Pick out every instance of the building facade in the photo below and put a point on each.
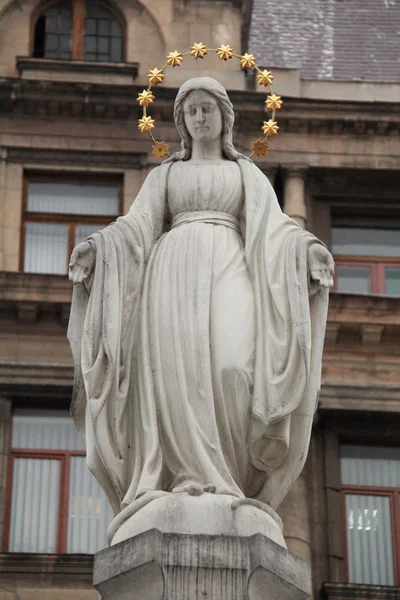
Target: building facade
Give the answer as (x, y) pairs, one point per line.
(72, 159)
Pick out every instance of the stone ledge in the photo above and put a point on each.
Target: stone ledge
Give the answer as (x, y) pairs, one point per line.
(17, 286)
(342, 591)
(374, 398)
(22, 563)
(28, 63)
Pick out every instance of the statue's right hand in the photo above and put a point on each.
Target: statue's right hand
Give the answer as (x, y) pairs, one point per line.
(81, 263)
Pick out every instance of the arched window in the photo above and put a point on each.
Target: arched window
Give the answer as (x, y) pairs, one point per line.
(78, 30)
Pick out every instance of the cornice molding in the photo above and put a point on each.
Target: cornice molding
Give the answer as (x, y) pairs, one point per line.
(368, 397)
(30, 380)
(29, 97)
(89, 158)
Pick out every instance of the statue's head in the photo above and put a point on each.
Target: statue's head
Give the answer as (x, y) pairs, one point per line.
(203, 112)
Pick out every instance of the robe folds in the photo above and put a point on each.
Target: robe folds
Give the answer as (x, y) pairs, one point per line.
(113, 399)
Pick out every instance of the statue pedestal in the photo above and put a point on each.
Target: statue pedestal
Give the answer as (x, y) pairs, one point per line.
(169, 566)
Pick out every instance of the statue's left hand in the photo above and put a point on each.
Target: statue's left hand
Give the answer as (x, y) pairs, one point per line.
(321, 265)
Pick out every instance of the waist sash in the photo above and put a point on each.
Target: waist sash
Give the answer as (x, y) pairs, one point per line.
(212, 217)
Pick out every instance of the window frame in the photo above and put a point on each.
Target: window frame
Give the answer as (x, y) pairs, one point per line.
(64, 456)
(78, 28)
(394, 498)
(377, 265)
(72, 220)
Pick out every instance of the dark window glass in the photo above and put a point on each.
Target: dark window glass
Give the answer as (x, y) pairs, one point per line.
(103, 34)
(53, 32)
(91, 26)
(103, 45)
(392, 280)
(116, 49)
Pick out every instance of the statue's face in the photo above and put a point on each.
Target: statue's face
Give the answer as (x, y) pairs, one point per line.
(203, 117)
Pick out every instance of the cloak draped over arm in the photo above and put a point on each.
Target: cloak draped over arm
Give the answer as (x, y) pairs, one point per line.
(290, 326)
(102, 333)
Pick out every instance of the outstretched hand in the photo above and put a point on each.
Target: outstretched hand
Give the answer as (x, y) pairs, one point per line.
(81, 262)
(321, 265)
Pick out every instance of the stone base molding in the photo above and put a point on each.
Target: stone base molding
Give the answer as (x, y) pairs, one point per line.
(160, 566)
(344, 591)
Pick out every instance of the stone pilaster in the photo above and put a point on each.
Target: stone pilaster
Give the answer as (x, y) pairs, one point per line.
(294, 200)
(5, 433)
(296, 521)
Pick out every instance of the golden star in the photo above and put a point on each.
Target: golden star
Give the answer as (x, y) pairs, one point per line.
(224, 52)
(174, 59)
(160, 149)
(265, 78)
(155, 76)
(247, 61)
(146, 124)
(273, 102)
(270, 127)
(259, 148)
(198, 50)
(145, 98)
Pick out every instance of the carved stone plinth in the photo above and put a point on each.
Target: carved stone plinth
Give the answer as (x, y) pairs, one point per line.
(168, 566)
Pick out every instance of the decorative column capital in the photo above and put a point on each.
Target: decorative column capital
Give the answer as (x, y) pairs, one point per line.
(300, 171)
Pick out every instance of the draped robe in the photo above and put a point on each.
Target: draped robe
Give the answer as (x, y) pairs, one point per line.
(113, 399)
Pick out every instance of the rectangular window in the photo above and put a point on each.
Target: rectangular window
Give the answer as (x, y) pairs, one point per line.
(367, 255)
(371, 494)
(55, 504)
(60, 213)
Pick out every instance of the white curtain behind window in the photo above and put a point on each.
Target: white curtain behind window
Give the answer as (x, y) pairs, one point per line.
(36, 481)
(369, 539)
(46, 248)
(73, 198)
(372, 466)
(35, 502)
(83, 231)
(89, 511)
(369, 524)
(45, 430)
(358, 241)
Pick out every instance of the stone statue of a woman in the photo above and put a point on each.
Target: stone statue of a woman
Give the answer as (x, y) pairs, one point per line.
(197, 326)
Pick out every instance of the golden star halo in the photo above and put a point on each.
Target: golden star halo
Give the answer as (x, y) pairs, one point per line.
(174, 59)
(247, 61)
(265, 78)
(270, 127)
(198, 50)
(160, 149)
(259, 148)
(145, 98)
(146, 124)
(224, 52)
(274, 102)
(155, 76)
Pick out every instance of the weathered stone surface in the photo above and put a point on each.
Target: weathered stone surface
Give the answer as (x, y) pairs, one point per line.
(207, 514)
(155, 566)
